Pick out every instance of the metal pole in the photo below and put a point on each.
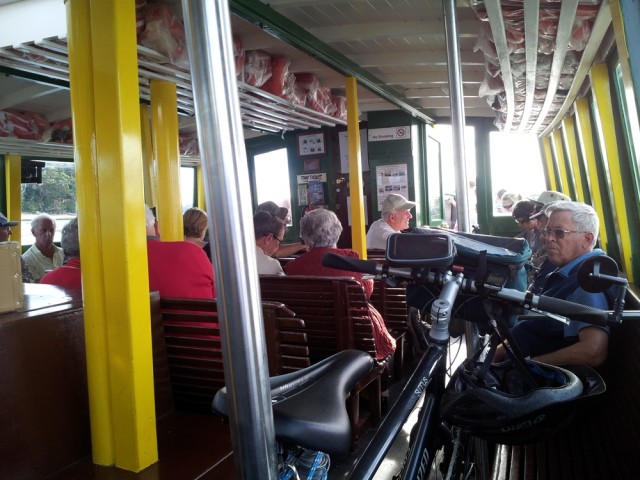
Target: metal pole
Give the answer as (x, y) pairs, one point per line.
(226, 182)
(457, 112)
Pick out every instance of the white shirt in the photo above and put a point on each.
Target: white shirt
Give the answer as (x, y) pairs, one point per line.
(267, 265)
(38, 264)
(378, 234)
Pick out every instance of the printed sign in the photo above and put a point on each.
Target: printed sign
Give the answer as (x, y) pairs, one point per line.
(392, 133)
(312, 177)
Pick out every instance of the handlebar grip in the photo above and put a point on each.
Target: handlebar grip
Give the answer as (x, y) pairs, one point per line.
(351, 264)
(575, 311)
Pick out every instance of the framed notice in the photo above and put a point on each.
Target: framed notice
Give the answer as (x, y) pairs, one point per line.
(311, 144)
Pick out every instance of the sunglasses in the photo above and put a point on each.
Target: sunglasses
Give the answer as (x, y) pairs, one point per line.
(557, 233)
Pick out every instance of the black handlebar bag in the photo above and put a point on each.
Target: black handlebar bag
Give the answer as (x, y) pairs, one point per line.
(488, 259)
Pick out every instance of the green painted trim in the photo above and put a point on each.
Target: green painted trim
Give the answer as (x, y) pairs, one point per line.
(281, 27)
(12, 72)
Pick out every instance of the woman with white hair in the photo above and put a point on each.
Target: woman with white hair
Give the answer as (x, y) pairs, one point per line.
(68, 275)
(320, 230)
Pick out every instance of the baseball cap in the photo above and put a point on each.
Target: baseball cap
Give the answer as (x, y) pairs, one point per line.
(396, 202)
(548, 197)
(5, 222)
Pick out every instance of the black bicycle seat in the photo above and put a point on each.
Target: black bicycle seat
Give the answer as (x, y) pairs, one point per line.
(309, 405)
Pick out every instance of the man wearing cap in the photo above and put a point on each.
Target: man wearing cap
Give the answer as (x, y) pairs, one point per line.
(395, 218)
(5, 233)
(43, 255)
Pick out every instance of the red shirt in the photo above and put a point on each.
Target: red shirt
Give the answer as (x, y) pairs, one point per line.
(67, 276)
(180, 270)
(311, 264)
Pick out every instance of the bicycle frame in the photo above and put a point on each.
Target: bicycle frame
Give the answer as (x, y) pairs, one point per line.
(427, 379)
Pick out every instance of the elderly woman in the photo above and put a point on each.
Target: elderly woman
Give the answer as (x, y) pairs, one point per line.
(320, 230)
(68, 275)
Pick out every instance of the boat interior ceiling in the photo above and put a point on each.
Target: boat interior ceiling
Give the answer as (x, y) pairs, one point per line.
(522, 63)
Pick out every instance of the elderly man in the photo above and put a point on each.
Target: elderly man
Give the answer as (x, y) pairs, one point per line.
(5, 233)
(395, 217)
(43, 255)
(570, 236)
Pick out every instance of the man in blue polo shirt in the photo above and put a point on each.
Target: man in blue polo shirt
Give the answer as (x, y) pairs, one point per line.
(570, 237)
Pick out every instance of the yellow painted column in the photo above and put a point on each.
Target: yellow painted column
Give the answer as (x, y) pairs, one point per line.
(200, 188)
(358, 234)
(164, 132)
(148, 159)
(602, 93)
(13, 179)
(563, 182)
(89, 227)
(569, 140)
(585, 139)
(128, 399)
(552, 183)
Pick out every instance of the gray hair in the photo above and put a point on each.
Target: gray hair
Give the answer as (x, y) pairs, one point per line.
(320, 228)
(584, 216)
(35, 221)
(150, 218)
(70, 240)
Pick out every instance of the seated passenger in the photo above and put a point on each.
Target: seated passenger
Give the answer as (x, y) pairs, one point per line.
(320, 230)
(43, 255)
(269, 230)
(570, 237)
(395, 218)
(194, 223)
(177, 269)
(68, 275)
(5, 233)
(285, 249)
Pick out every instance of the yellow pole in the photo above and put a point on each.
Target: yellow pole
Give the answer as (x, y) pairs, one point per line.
(602, 93)
(125, 410)
(358, 239)
(149, 169)
(585, 139)
(562, 166)
(200, 187)
(548, 161)
(569, 140)
(89, 225)
(164, 121)
(13, 176)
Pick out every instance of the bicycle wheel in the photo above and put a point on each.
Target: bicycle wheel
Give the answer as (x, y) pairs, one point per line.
(465, 458)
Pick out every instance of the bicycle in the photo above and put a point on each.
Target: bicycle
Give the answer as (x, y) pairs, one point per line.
(309, 413)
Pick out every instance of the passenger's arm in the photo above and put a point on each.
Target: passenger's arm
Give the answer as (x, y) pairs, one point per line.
(591, 349)
(288, 249)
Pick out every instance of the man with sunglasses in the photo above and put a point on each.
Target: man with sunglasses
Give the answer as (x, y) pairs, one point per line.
(570, 236)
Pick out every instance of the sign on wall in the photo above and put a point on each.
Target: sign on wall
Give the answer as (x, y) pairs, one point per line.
(391, 179)
(391, 133)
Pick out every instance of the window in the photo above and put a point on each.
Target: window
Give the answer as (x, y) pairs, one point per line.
(272, 178)
(187, 187)
(56, 196)
(516, 167)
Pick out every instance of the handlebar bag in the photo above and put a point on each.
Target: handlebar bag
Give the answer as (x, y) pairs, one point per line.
(494, 260)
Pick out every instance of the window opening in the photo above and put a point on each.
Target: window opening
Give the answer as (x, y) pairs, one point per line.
(187, 187)
(272, 178)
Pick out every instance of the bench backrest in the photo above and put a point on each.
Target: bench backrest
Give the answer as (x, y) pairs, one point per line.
(194, 348)
(334, 310)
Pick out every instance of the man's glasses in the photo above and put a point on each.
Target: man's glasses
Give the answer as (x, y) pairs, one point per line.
(557, 233)
(280, 242)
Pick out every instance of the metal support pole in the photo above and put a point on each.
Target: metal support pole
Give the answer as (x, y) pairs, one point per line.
(226, 181)
(456, 99)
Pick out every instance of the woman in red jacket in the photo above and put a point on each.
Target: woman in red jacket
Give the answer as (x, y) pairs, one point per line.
(320, 230)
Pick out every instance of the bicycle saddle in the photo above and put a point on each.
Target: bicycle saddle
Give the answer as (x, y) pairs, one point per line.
(309, 405)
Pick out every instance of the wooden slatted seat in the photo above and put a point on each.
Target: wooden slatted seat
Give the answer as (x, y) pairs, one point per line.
(194, 349)
(603, 440)
(336, 316)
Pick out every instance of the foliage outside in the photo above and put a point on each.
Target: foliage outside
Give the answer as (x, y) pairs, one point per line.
(55, 195)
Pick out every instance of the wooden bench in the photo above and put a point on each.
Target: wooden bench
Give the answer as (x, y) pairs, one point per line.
(603, 440)
(194, 350)
(336, 316)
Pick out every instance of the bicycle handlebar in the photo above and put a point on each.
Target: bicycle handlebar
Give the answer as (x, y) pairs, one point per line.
(527, 300)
